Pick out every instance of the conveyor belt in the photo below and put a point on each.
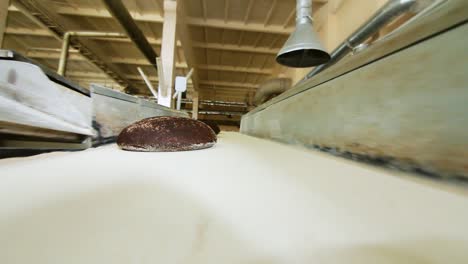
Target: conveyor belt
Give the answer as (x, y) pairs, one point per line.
(245, 200)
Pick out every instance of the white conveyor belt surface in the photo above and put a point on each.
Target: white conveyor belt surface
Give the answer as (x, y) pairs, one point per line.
(246, 200)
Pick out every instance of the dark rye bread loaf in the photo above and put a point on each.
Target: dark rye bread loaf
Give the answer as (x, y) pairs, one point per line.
(213, 125)
(166, 133)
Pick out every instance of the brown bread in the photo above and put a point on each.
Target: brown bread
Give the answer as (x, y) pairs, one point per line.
(166, 133)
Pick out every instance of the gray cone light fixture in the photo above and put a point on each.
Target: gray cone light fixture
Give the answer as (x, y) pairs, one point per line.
(303, 48)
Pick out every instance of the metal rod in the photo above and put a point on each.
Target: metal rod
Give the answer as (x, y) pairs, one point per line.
(162, 83)
(64, 54)
(303, 11)
(62, 67)
(189, 74)
(147, 82)
(179, 100)
(121, 14)
(386, 14)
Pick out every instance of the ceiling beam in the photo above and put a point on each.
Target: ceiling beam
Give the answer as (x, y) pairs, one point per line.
(218, 90)
(292, 14)
(203, 83)
(46, 33)
(28, 32)
(235, 69)
(236, 48)
(96, 75)
(238, 25)
(160, 6)
(230, 84)
(270, 13)
(247, 13)
(37, 54)
(104, 13)
(226, 10)
(153, 41)
(135, 61)
(204, 9)
(84, 74)
(193, 21)
(257, 40)
(78, 57)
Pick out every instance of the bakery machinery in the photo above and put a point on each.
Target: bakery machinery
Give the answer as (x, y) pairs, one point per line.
(41, 110)
(399, 102)
(362, 162)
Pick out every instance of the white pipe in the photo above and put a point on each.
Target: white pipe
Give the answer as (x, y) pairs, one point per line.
(189, 74)
(162, 85)
(148, 83)
(179, 100)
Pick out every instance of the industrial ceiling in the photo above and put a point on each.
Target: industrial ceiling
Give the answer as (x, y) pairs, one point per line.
(233, 43)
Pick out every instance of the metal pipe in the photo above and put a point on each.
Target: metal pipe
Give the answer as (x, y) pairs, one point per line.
(179, 100)
(162, 83)
(64, 54)
(189, 74)
(178, 95)
(121, 14)
(303, 11)
(386, 14)
(62, 67)
(147, 82)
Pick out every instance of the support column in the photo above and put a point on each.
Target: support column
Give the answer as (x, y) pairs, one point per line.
(168, 48)
(195, 105)
(4, 4)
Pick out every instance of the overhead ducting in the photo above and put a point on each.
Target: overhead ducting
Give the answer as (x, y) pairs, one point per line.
(303, 48)
(270, 89)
